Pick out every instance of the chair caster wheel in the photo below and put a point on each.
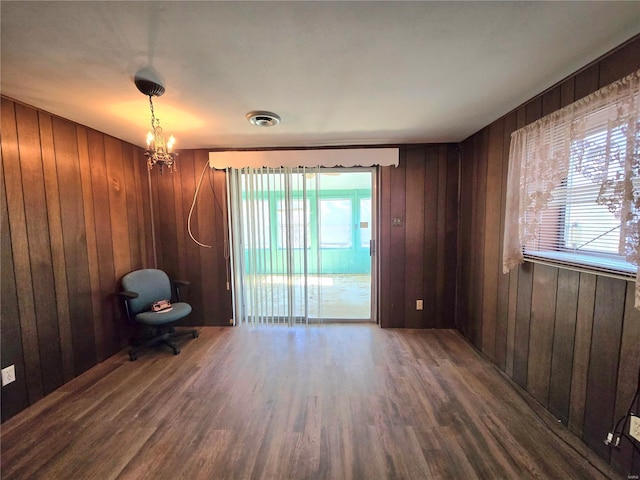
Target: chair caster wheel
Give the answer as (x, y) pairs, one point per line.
(196, 334)
(176, 351)
(133, 357)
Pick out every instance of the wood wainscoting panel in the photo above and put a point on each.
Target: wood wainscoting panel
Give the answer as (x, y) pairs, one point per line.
(505, 311)
(92, 247)
(448, 268)
(393, 287)
(418, 254)
(32, 374)
(384, 244)
(628, 372)
(38, 239)
(69, 232)
(493, 233)
(465, 229)
(587, 81)
(426, 244)
(14, 396)
(54, 216)
(206, 268)
(581, 351)
(541, 327)
(75, 244)
(420, 211)
(523, 322)
(478, 189)
(191, 268)
(608, 315)
(555, 332)
(563, 341)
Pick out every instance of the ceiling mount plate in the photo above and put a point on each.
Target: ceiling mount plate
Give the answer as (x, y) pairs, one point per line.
(263, 119)
(149, 87)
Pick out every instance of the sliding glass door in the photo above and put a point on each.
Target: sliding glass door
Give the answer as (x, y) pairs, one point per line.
(301, 244)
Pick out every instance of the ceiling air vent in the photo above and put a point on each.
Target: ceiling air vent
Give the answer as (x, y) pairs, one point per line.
(263, 119)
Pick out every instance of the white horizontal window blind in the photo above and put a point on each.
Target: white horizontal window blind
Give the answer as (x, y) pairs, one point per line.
(581, 225)
(573, 194)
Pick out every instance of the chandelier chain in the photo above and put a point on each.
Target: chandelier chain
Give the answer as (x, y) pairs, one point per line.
(153, 116)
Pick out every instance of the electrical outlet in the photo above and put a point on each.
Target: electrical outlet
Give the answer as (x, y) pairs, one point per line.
(419, 305)
(8, 375)
(634, 427)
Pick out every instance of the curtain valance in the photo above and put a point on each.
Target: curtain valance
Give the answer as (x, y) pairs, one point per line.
(347, 157)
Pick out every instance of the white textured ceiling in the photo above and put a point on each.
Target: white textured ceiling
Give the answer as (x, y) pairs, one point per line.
(336, 72)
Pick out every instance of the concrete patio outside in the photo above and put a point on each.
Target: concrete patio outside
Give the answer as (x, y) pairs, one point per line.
(340, 297)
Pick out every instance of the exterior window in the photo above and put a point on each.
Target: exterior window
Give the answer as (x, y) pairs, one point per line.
(578, 227)
(573, 186)
(299, 220)
(588, 226)
(365, 217)
(336, 230)
(255, 219)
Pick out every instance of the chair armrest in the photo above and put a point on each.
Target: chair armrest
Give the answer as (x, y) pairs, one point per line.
(127, 295)
(177, 284)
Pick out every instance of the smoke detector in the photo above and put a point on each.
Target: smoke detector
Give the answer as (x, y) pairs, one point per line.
(263, 119)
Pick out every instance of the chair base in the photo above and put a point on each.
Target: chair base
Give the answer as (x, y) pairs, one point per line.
(161, 336)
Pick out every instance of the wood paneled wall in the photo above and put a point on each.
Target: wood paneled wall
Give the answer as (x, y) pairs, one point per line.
(74, 220)
(570, 339)
(418, 251)
(181, 257)
(418, 257)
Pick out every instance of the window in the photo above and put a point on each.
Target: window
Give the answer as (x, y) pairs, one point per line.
(335, 226)
(573, 187)
(589, 225)
(578, 227)
(365, 219)
(255, 224)
(293, 223)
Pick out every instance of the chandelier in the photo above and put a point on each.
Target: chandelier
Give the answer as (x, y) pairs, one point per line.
(159, 151)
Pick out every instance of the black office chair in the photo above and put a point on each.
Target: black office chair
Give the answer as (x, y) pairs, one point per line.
(143, 291)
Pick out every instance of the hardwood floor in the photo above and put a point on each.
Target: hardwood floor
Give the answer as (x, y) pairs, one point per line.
(333, 401)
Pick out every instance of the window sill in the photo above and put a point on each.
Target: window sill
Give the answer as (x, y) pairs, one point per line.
(585, 263)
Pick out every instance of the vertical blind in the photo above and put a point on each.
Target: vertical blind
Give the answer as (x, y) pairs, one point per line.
(277, 272)
(272, 283)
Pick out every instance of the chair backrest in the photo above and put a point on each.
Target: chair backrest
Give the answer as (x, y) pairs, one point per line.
(150, 284)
